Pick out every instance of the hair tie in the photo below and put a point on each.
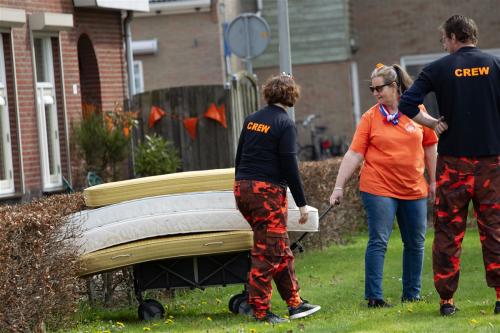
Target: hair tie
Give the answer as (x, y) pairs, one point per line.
(379, 65)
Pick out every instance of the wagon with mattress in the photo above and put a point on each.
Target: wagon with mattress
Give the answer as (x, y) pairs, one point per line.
(176, 231)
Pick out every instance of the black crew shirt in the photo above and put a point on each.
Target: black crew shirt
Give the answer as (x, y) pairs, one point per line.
(267, 151)
(467, 88)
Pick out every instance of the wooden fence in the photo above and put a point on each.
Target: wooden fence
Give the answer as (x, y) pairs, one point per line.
(214, 145)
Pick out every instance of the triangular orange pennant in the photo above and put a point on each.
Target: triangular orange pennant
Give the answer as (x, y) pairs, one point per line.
(154, 115)
(222, 115)
(217, 114)
(190, 125)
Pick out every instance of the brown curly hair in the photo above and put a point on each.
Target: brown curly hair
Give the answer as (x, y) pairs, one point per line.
(281, 89)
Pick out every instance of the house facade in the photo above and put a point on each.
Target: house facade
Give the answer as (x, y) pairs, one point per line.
(335, 45)
(56, 56)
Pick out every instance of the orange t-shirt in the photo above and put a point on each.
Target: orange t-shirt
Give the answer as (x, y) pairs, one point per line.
(394, 155)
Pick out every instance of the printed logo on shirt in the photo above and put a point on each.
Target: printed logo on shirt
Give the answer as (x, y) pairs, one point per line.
(256, 127)
(410, 128)
(474, 71)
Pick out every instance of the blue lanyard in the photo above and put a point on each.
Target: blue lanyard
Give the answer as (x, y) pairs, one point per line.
(391, 118)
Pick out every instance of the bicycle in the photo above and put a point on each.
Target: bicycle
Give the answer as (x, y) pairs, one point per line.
(318, 147)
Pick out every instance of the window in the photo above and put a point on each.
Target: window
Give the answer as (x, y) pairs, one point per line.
(138, 77)
(414, 64)
(6, 172)
(47, 113)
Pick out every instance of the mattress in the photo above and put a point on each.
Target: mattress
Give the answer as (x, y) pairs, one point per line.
(163, 248)
(181, 182)
(185, 213)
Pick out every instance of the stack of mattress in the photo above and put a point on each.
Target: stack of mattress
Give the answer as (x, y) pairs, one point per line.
(178, 215)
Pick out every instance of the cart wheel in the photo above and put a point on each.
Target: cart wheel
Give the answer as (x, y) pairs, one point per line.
(150, 309)
(244, 308)
(234, 302)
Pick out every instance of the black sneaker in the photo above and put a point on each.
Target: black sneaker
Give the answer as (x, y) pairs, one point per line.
(303, 310)
(411, 299)
(447, 309)
(271, 318)
(497, 307)
(378, 303)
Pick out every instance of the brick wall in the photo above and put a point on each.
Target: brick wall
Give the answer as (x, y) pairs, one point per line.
(325, 90)
(104, 29)
(395, 28)
(189, 49)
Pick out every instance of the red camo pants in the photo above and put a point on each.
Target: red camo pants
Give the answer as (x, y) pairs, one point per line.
(460, 180)
(265, 207)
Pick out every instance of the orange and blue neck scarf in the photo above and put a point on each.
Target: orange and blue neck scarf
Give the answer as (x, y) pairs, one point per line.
(390, 118)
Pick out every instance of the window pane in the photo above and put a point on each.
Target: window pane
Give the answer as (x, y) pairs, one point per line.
(40, 61)
(50, 139)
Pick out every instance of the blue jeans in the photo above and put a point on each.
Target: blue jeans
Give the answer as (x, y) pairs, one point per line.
(412, 220)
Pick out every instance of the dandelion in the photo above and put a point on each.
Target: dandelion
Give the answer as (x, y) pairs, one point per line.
(209, 319)
(169, 321)
(120, 324)
(473, 322)
(218, 301)
(253, 330)
(146, 329)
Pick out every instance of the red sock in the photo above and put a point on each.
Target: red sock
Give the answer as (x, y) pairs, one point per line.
(446, 301)
(294, 301)
(498, 293)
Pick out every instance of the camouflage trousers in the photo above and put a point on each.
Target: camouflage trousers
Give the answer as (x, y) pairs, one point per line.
(460, 180)
(265, 207)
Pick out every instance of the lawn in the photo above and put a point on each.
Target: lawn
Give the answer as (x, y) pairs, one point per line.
(333, 278)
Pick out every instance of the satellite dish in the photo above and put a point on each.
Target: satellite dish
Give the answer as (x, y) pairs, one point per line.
(248, 36)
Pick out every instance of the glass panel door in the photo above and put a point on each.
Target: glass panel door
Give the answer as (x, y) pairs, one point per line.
(47, 114)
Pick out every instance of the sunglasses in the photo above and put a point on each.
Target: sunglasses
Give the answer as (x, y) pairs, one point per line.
(379, 88)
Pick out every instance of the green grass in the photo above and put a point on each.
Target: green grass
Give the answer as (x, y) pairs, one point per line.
(333, 278)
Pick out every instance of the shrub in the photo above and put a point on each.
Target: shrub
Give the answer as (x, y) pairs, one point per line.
(156, 156)
(345, 219)
(103, 140)
(38, 263)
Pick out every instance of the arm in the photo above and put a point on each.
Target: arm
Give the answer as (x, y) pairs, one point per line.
(289, 168)
(414, 96)
(349, 163)
(430, 155)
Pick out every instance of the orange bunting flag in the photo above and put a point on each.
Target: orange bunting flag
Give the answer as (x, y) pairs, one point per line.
(154, 115)
(217, 114)
(190, 125)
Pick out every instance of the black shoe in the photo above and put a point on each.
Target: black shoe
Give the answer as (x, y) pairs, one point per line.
(447, 309)
(378, 303)
(271, 318)
(497, 307)
(302, 310)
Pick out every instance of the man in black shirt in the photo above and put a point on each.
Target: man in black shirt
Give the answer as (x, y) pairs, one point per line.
(467, 88)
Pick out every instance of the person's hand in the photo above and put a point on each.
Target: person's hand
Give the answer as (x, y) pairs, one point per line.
(432, 191)
(441, 126)
(337, 195)
(304, 214)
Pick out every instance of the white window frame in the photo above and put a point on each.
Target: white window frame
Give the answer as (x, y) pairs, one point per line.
(6, 185)
(46, 97)
(140, 76)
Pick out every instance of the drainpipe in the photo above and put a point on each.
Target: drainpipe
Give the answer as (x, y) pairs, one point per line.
(131, 87)
(259, 8)
(130, 57)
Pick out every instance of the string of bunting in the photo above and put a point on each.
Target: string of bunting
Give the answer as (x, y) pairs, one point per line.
(217, 113)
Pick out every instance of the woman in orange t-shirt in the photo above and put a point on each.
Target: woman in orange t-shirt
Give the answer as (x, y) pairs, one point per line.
(396, 152)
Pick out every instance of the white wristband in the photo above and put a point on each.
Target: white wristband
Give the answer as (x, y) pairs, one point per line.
(338, 188)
